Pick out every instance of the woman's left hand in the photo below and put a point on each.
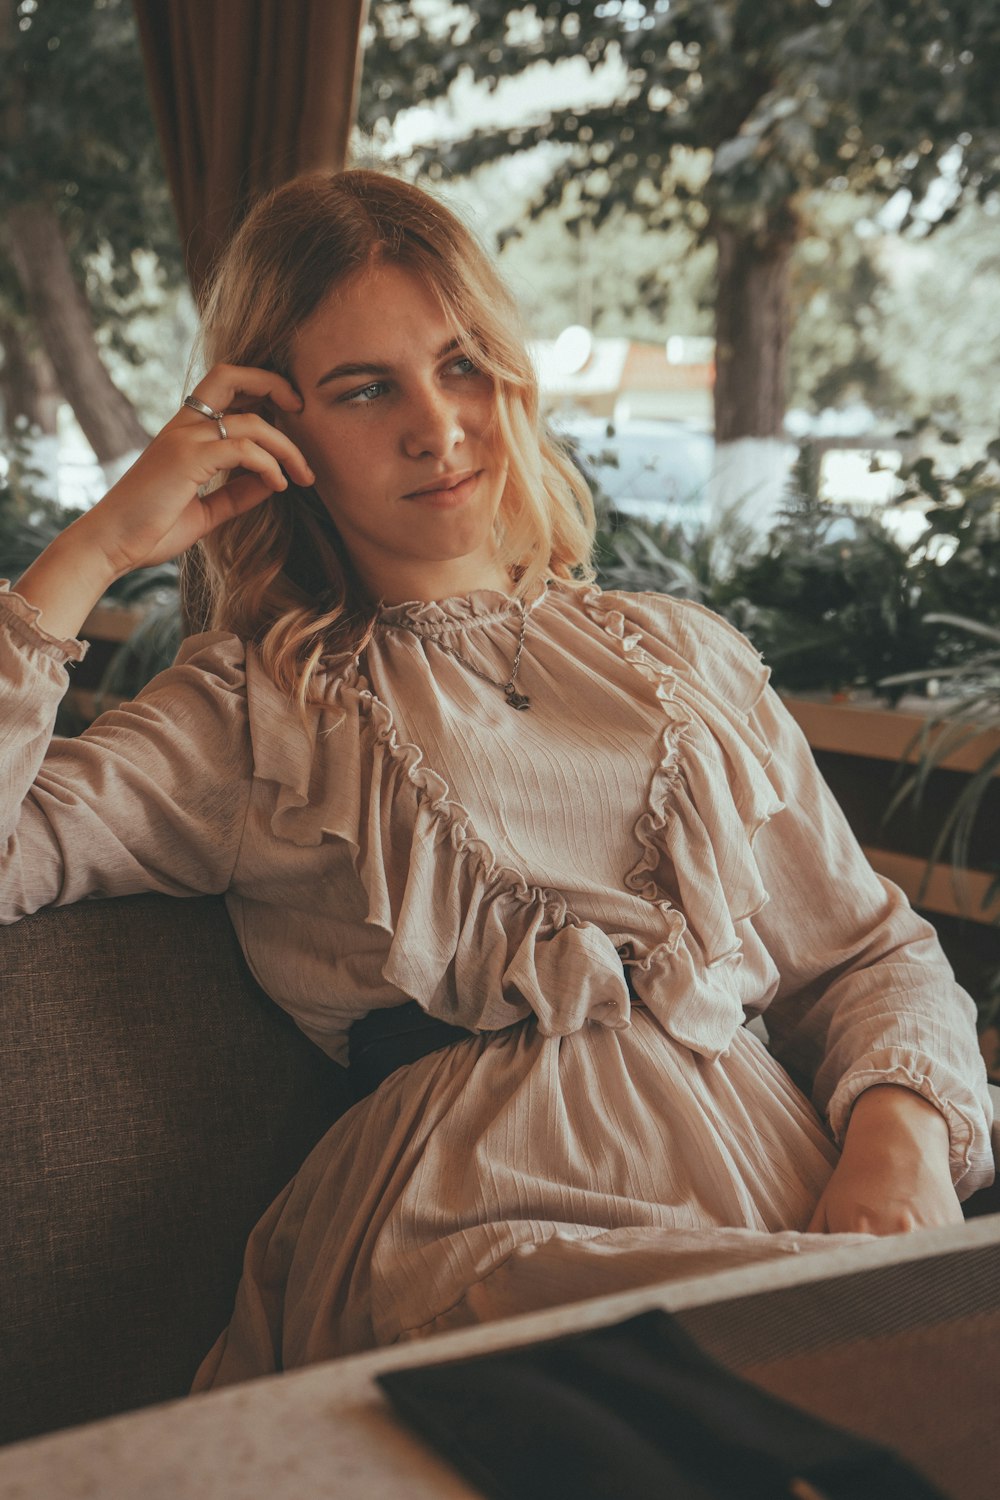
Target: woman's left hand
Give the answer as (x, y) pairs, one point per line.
(893, 1175)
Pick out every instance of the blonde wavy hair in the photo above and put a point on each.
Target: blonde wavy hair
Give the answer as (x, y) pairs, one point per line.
(279, 576)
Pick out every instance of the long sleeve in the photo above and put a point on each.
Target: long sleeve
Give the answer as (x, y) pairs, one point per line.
(866, 995)
(153, 797)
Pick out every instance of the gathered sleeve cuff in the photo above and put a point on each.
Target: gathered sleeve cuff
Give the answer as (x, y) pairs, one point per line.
(24, 622)
(33, 662)
(33, 680)
(948, 1092)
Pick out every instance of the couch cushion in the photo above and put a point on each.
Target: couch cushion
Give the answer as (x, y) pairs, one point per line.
(155, 1101)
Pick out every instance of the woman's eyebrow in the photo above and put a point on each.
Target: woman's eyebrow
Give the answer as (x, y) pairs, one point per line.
(340, 371)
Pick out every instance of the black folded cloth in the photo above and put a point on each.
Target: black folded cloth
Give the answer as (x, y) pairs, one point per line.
(635, 1410)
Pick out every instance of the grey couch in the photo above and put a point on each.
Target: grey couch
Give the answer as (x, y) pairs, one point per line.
(154, 1101)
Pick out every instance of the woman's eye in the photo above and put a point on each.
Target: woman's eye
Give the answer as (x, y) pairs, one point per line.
(466, 366)
(367, 393)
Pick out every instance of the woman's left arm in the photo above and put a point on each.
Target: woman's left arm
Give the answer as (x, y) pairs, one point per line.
(867, 1012)
(894, 1172)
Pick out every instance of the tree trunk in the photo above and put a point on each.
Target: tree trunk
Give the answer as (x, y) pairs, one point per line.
(62, 318)
(752, 459)
(751, 333)
(28, 384)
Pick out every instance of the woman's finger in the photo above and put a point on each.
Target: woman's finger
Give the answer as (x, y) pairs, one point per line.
(244, 427)
(244, 453)
(232, 387)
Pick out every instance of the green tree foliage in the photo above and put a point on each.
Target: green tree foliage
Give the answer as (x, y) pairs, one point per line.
(89, 239)
(80, 137)
(939, 310)
(601, 279)
(842, 346)
(735, 111)
(786, 95)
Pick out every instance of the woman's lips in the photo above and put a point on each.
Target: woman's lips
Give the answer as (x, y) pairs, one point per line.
(447, 497)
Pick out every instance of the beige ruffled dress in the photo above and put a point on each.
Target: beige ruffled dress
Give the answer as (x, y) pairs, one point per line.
(656, 809)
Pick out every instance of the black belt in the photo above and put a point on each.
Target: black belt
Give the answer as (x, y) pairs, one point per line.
(385, 1040)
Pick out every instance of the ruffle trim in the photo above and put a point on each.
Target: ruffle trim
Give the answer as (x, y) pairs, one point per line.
(464, 612)
(470, 940)
(26, 620)
(712, 765)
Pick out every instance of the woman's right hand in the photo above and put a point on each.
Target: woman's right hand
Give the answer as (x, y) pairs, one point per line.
(158, 508)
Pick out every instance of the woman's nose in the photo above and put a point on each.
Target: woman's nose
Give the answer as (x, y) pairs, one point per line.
(434, 426)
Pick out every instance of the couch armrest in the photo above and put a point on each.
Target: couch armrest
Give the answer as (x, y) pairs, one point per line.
(155, 1101)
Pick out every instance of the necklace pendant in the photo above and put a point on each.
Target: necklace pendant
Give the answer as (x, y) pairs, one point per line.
(516, 699)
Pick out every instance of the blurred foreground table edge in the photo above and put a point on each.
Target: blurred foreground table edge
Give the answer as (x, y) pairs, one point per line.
(327, 1430)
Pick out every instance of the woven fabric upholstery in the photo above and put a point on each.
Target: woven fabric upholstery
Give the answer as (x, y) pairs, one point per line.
(154, 1102)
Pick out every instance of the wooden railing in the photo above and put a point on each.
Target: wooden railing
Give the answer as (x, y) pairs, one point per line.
(869, 733)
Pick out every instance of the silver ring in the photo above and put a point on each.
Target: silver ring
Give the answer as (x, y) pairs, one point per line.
(206, 411)
(222, 428)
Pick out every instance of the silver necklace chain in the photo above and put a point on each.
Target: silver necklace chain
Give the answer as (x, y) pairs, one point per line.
(508, 688)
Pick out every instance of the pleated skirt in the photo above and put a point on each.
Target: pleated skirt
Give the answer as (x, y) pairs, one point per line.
(513, 1172)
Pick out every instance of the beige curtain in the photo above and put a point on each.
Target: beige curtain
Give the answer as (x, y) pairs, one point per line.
(246, 94)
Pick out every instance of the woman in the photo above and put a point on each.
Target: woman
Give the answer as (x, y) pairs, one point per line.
(544, 849)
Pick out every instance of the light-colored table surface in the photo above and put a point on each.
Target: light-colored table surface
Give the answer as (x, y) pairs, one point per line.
(327, 1431)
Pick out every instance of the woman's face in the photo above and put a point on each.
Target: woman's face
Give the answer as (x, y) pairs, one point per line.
(394, 424)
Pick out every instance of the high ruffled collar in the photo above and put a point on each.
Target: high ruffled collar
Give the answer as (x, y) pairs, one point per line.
(462, 612)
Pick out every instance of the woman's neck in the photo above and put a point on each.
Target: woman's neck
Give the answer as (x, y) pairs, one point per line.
(429, 583)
